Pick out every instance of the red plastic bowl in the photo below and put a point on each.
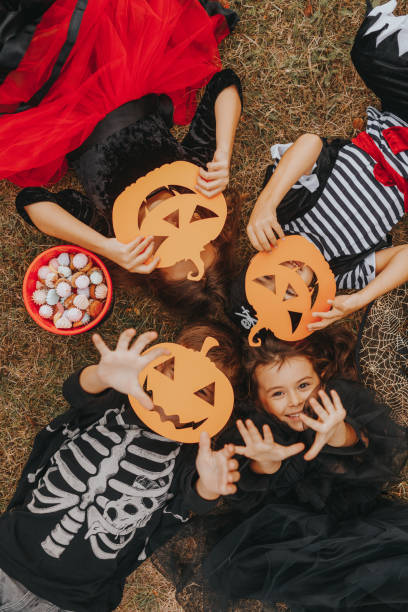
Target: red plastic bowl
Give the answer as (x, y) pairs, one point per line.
(31, 277)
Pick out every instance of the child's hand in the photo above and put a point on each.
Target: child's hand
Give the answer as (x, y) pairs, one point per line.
(120, 368)
(134, 255)
(330, 427)
(267, 454)
(263, 226)
(342, 306)
(216, 469)
(215, 179)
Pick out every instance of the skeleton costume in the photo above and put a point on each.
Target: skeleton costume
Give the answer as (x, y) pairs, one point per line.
(97, 495)
(357, 191)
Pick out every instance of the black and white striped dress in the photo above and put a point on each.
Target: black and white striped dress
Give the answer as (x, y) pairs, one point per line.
(355, 211)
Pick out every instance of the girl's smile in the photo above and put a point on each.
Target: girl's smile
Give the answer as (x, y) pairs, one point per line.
(285, 389)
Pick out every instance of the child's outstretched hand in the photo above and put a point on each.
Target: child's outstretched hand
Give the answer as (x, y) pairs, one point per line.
(341, 306)
(217, 470)
(330, 427)
(120, 368)
(265, 453)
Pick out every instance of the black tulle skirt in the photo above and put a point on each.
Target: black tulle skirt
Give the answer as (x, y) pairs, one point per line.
(284, 553)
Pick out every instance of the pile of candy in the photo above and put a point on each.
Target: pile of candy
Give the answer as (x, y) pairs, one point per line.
(70, 290)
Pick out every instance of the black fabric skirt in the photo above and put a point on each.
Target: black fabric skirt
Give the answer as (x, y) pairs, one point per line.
(284, 553)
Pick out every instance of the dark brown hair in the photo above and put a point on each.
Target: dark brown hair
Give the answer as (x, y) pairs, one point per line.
(226, 356)
(331, 352)
(207, 296)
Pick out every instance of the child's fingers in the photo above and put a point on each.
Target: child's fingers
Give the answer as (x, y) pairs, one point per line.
(253, 431)
(217, 165)
(233, 464)
(315, 449)
(132, 245)
(142, 397)
(241, 450)
(318, 409)
(233, 476)
(253, 238)
(230, 489)
(148, 268)
(142, 341)
(204, 445)
(319, 324)
(270, 234)
(294, 449)
(152, 355)
(100, 345)
(262, 239)
(337, 403)
(141, 258)
(312, 423)
(244, 434)
(327, 403)
(267, 434)
(141, 246)
(124, 339)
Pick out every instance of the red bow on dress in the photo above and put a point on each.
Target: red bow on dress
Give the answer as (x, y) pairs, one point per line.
(397, 138)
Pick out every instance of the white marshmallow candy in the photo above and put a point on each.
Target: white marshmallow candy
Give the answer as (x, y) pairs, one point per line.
(73, 314)
(79, 261)
(43, 272)
(63, 259)
(45, 311)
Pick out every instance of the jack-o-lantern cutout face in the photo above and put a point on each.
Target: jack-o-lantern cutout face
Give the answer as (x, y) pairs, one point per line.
(185, 222)
(189, 393)
(286, 285)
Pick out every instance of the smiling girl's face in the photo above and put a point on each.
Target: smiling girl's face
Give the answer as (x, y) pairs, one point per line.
(284, 388)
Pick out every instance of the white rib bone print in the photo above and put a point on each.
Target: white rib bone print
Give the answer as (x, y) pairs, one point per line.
(111, 523)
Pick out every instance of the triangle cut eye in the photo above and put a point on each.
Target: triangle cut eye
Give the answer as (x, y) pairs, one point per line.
(173, 218)
(200, 213)
(267, 281)
(290, 293)
(166, 368)
(207, 393)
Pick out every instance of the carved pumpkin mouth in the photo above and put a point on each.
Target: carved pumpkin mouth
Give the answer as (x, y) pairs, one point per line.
(175, 419)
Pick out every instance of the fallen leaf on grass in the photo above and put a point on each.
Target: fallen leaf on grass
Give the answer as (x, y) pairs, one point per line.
(358, 123)
(308, 12)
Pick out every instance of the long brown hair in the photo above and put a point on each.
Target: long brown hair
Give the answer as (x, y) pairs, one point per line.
(206, 297)
(331, 352)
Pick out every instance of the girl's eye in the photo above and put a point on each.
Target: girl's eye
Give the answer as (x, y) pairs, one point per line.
(277, 394)
(304, 385)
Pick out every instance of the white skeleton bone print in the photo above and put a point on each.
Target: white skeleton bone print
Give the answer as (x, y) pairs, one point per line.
(118, 465)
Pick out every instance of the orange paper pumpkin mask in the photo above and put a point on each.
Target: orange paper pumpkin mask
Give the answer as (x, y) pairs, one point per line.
(190, 394)
(187, 232)
(283, 301)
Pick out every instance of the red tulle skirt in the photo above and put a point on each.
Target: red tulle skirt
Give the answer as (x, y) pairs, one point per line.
(124, 50)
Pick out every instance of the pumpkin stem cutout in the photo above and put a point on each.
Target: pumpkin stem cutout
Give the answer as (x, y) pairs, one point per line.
(283, 301)
(199, 219)
(189, 393)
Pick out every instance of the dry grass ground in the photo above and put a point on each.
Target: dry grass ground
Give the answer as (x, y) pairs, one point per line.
(297, 77)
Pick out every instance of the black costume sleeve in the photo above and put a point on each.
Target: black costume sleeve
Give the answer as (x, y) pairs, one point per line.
(297, 202)
(93, 403)
(74, 202)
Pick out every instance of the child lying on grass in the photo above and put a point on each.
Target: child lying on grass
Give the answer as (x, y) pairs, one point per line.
(100, 491)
